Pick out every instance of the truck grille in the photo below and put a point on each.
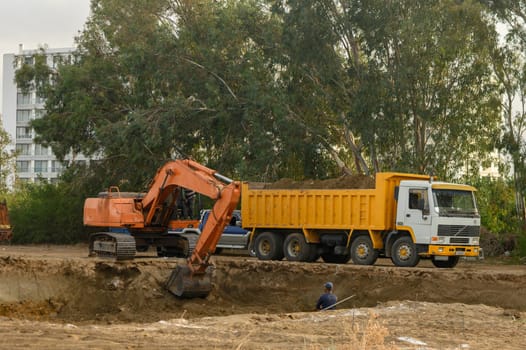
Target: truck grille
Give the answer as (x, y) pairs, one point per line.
(458, 230)
(459, 240)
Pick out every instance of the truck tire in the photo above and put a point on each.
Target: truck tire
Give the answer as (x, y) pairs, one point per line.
(451, 262)
(404, 252)
(336, 258)
(269, 246)
(362, 251)
(296, 248)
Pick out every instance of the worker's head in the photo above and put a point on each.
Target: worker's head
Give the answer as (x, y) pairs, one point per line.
(329, 286)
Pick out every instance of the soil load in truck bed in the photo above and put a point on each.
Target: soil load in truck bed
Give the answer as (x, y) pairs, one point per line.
(344, 181)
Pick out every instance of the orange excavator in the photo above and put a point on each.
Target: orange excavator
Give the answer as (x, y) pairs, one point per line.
(146, 217)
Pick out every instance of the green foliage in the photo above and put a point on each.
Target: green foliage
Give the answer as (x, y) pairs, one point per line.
(263, 89)
(35, 76)
(430, 67)
(520, 249)
(6, 159)
(495, 198)
(46, 213)
(262, 92)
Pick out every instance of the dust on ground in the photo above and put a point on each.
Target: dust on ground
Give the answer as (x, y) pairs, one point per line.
(58, 298)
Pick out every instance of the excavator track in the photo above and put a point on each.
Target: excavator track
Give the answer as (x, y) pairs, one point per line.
(119, 246)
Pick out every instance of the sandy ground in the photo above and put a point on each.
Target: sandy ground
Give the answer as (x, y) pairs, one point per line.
(55, 297)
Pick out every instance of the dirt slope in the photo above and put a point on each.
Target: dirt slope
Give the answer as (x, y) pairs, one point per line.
(58, 298)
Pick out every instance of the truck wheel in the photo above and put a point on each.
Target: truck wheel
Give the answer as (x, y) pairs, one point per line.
(451, 262)
(269, 246)
(297, 249)
(335, 258)
(362, 251)
(404, 252)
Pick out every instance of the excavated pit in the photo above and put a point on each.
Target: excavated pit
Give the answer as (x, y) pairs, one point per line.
(100, 291)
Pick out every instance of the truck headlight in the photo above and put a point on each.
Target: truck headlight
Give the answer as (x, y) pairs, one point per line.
(438, 240)
(475, 240)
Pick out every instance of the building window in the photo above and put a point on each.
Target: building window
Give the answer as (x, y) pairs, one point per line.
(41, 150)
(40, 166)
(23, 149)
(23, 99)
(23, 115)
(29, 60)
(56, 166)
(22, 166)
(23, 132)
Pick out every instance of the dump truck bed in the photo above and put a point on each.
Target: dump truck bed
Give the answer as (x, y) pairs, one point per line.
(331, 209)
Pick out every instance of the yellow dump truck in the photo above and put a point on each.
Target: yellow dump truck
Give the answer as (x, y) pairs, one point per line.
(405, 217)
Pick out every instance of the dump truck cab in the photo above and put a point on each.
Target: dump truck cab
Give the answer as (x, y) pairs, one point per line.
(441, 218)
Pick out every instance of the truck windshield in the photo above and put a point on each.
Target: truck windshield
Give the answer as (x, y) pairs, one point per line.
(455, 203)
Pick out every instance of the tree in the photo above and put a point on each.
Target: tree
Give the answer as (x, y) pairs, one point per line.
(510, 67)
(401, 85)
(7, 159)
(262, 92)
(47, 213)
(152, 80)
(316, 79)
(429, 63)
(510, 70)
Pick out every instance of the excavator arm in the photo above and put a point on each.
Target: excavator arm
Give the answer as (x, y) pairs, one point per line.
(194, 279)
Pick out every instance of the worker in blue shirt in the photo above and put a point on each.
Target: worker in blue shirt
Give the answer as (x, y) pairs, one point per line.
(327, 299)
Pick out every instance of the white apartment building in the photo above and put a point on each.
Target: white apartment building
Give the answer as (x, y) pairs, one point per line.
(33, 161)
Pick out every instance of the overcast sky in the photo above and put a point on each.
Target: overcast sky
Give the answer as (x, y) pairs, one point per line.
(35, 23)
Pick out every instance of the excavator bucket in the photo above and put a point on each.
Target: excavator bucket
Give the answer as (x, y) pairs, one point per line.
(186, 284)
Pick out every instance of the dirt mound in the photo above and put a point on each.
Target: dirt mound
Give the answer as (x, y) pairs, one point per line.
(344, 182)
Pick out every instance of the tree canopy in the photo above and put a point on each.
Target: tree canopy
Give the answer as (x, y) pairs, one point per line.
(263, 89)
(6, 159)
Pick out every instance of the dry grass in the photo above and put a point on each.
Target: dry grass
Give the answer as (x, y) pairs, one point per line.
(367, 334)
